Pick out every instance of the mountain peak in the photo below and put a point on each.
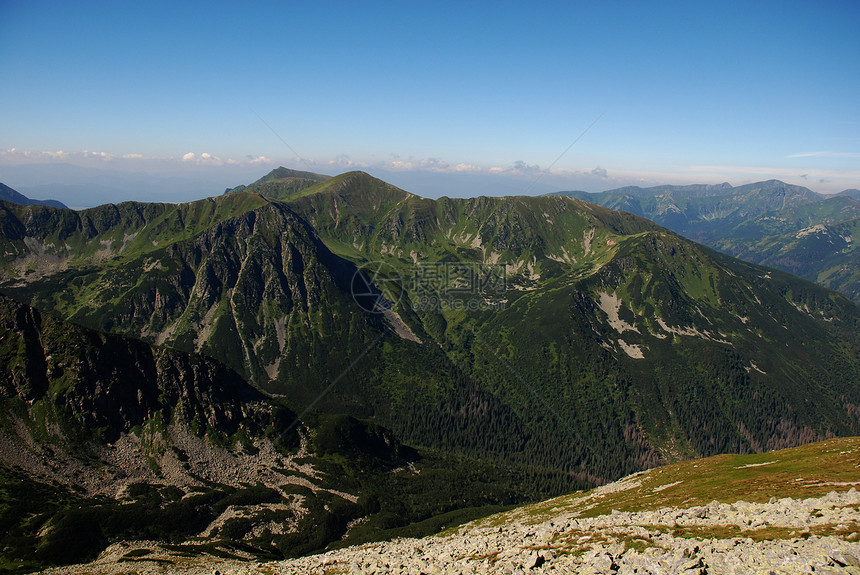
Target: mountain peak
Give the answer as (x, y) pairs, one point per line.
(358, 183)
(282, 183)
(282, 173)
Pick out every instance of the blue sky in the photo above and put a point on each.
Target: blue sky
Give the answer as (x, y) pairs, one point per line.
(442, 97)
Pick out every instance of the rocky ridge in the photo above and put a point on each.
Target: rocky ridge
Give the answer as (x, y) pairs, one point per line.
(622, 542)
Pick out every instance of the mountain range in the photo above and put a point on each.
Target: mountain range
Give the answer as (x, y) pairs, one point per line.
(770, 223)
(525, 346)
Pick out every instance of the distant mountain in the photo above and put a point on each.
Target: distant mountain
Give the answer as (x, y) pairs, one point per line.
(703, 212)
(9, 195)
(696, 190)
(850, 193)
(818, 242)
(282, 173)
(769, 223)
(282, 183)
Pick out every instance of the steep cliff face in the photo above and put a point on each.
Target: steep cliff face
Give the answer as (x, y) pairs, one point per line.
(255, 291)
(110, 384)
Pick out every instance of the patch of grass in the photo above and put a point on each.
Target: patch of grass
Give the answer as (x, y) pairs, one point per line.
(639, 544)
(811, 470)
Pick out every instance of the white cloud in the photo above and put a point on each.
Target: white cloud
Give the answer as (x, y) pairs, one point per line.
(97, 155)
(440, 166)
(434, 165)
(825, 154)
(133, 161)
(400, 165)
(599, 172)
(520, 167)
(14, 155)
(205, 158)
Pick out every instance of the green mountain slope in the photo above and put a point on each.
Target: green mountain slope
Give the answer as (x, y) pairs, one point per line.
(363, 218)
(37, 241)
(826, 253)
(768, 223)
(545, 331)
(200, 277)
(695, 352)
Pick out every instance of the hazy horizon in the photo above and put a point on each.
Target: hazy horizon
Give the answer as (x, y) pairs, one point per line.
(79, 187)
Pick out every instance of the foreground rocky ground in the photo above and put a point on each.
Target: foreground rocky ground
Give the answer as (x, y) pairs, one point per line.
(639, 524)
(817, 535)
